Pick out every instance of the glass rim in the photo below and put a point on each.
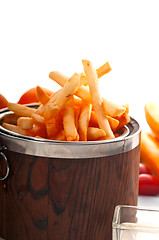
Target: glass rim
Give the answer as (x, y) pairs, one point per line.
(132, 226)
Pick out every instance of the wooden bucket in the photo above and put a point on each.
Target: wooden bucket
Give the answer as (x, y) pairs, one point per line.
(61, 190)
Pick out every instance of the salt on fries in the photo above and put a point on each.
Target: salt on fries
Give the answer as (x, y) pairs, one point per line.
(76, 112)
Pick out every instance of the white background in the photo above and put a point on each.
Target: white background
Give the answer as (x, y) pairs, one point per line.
(37, 37)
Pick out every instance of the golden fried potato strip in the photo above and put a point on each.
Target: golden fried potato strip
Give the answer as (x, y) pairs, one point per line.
(97, 101)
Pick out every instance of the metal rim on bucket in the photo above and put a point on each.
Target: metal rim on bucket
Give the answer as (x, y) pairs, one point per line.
(6, 162)
(72, 150)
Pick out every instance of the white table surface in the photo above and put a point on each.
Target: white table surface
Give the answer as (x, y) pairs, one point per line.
(150, 202)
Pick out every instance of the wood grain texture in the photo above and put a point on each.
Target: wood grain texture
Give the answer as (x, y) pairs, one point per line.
(55, 199)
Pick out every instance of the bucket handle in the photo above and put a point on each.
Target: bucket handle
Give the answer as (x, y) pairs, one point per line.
(6, 161)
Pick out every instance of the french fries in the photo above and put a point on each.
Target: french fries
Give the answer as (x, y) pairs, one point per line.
(96, 98)
(21, 110)
(53, 126)
(76, 112)
(16, 129)
(68, 89)
(94, 134)
(38, 119)
(83, 121)
(82, 92)
(40, 110)
(61, 136)
(25, 122)
(42, 95)
(69, 121)
(105, 68)
(123, 120)
(112, 109)
(114, 123)
(58, 77)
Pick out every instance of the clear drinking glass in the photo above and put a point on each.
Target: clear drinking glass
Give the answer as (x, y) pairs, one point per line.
(134, 223)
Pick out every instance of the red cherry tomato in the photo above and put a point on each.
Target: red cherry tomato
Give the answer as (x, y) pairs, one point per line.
(3, 102)
(148, 185)
(144, 169)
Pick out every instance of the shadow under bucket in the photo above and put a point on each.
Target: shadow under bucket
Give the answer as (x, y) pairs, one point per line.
(65, 190)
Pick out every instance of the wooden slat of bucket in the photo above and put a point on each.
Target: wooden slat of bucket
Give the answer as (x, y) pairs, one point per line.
(2, 195)
(66, 199)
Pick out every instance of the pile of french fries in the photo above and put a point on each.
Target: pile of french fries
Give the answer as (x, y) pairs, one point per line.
(76, 112)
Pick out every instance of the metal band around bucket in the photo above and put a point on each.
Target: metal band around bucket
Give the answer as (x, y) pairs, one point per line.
(6, 162)
(72, 150)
